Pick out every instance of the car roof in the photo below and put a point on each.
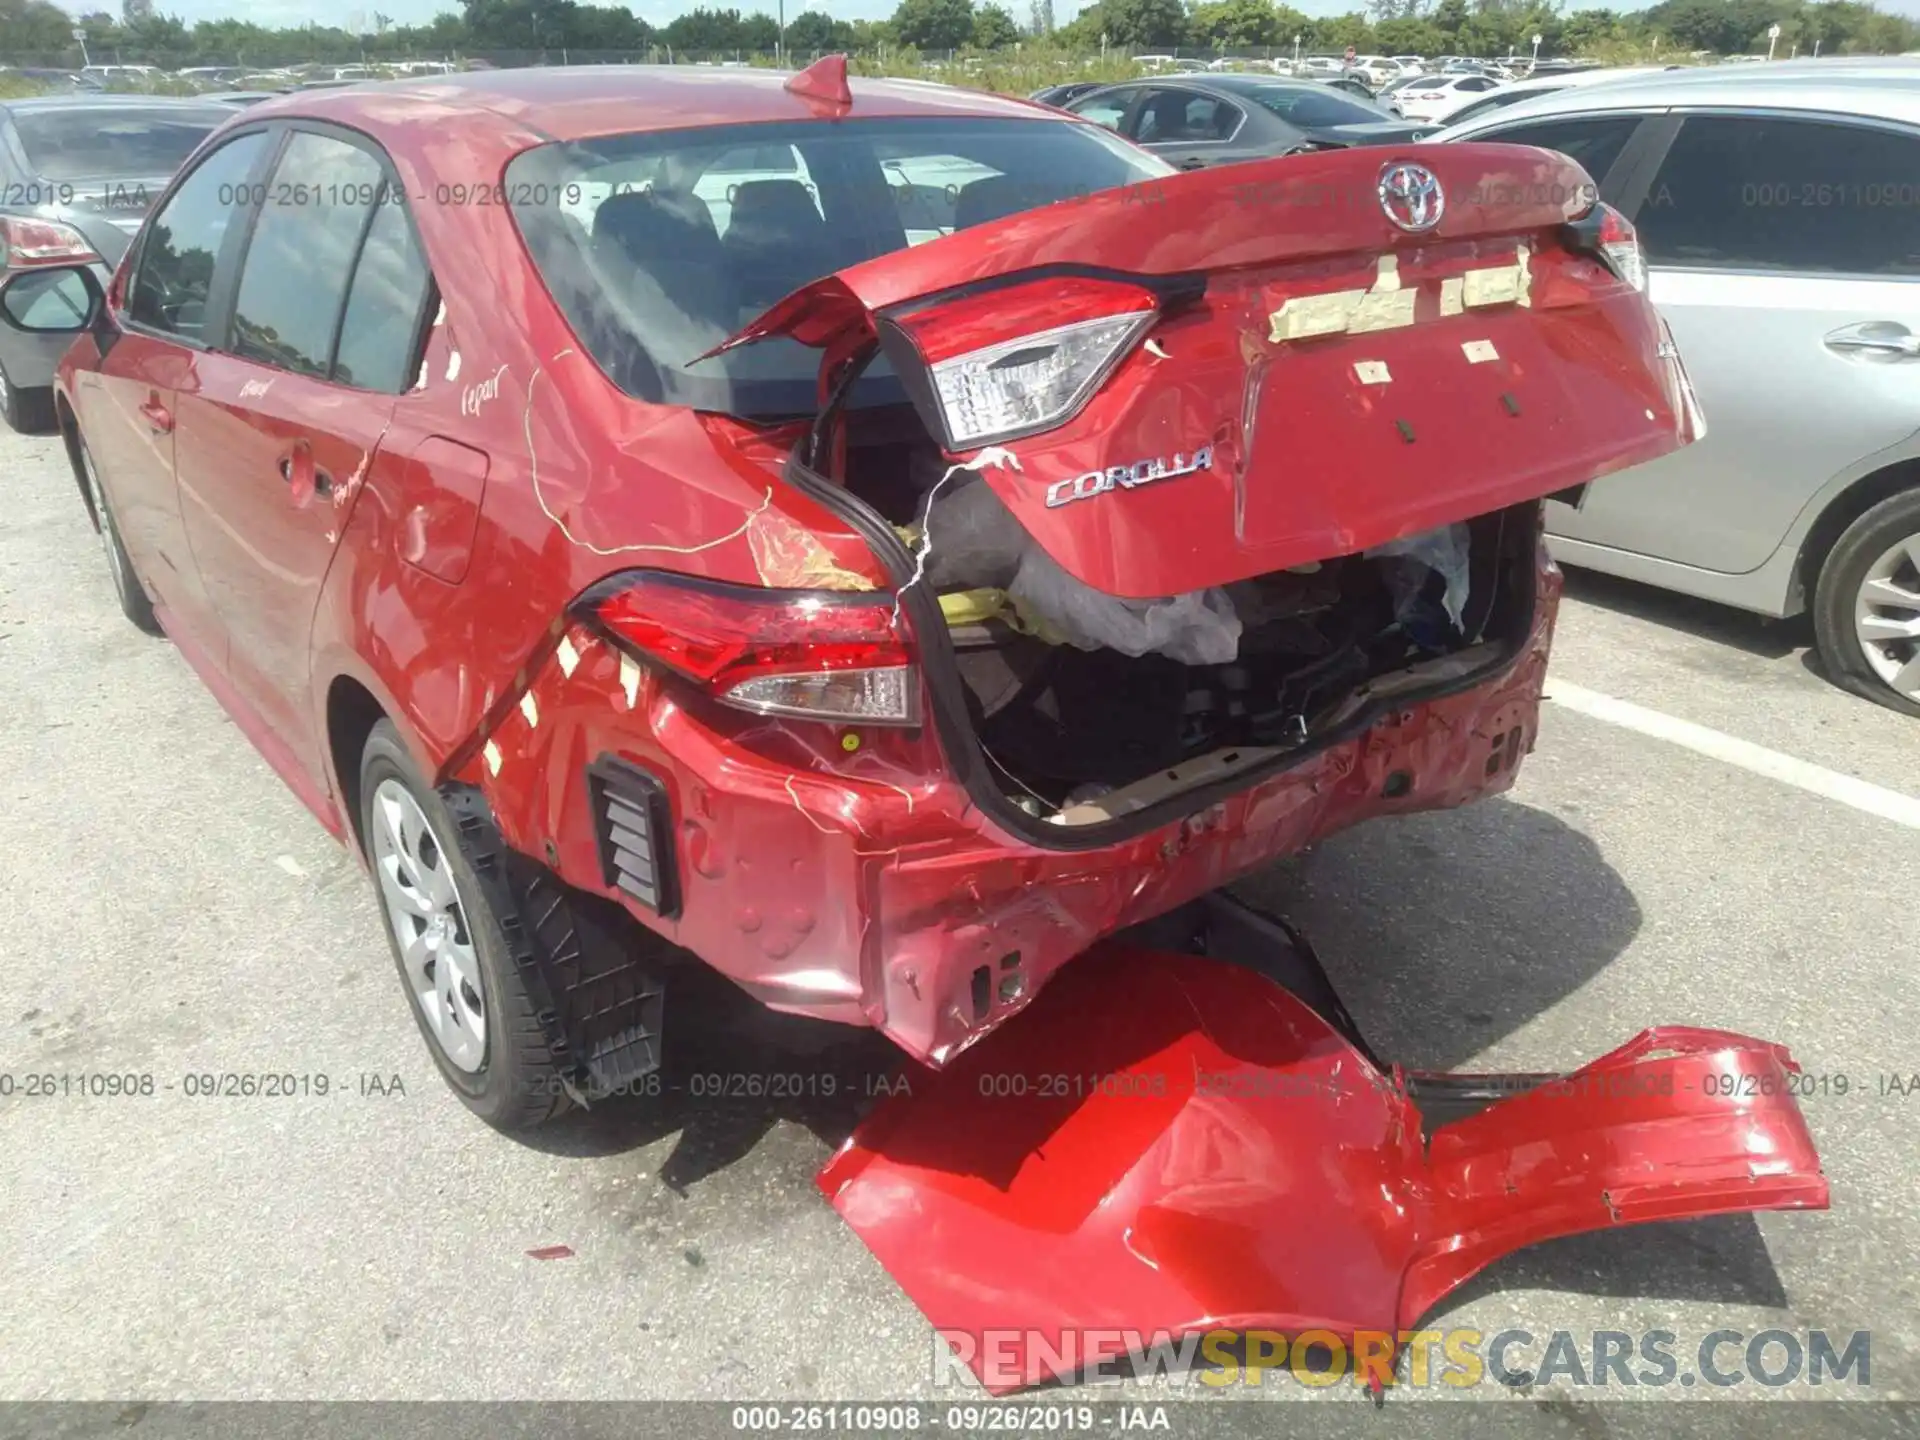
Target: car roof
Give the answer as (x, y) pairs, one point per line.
(1885, 87)
(32, 104)
(576, 102)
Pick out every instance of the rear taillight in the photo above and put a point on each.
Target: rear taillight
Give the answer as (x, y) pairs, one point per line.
(1608, 236)
(820, 655)
(1013, 361)
(26, 241)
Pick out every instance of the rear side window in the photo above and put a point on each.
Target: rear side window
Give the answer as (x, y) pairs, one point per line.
(1593, 143)
(1763, 193)
(381, 328)
(169, 290)
(111, 143)
(293, 283)
(1171, 116)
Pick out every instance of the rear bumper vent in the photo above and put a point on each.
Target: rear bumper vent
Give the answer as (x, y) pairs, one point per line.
(633, 821)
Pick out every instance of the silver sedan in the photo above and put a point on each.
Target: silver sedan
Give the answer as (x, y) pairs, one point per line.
(1779, 210)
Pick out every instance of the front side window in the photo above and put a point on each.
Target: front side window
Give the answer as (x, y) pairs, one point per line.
(299, 262)
(170, 289)
(1182, 117)
(1761, 192)
(657, 246)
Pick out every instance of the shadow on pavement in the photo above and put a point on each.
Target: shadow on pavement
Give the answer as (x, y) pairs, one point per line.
(1756, 634)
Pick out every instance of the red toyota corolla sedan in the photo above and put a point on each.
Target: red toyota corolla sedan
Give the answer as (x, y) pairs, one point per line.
(876, 540)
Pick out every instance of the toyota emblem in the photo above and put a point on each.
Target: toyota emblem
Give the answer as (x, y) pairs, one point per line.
(1411, 197)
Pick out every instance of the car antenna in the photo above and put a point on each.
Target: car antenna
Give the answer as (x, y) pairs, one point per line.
(825, 83)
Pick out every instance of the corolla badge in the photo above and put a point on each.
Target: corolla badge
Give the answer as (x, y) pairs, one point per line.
(1411, 197)
(1127, 477)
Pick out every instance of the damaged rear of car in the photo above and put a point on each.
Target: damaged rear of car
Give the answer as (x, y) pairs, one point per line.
(1169, 522)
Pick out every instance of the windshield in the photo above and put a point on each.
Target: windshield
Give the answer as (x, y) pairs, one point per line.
(658, 246)
(117, 144)
(1312, 108)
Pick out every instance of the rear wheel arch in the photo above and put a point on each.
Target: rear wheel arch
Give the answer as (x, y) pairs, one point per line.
(1841, 511)
(352, 712)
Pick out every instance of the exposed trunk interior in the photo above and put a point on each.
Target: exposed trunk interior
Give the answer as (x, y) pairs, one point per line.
(1090, 707)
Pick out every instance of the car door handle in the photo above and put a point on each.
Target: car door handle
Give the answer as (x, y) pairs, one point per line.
(1881, 337)
(322, 482)
(159, 418)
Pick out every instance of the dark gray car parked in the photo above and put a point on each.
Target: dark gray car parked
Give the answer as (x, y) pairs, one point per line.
(1194, 121)
(77, 175)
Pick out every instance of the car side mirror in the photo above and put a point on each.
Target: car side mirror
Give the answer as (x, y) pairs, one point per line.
(53, 300)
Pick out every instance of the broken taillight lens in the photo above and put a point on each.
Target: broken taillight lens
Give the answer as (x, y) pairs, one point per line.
(1607, 235)
(820, 655)
(1019, 359)
(27, 241)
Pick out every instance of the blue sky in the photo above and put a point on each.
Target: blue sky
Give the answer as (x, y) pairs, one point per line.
(656, 12)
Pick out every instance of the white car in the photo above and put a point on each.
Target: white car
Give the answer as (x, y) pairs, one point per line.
(1473, 106)
(1430, 99)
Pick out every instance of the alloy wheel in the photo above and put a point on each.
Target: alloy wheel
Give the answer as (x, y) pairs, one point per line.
(429, 925)
(1886, 617)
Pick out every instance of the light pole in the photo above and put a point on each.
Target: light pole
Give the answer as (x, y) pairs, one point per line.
(81, 35)
(1536, 55)
(1773, 39)
(1296, 52)
(780, 39)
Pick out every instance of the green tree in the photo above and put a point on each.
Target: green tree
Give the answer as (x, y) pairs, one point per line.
(1144, 24)
(1448, 17)
(934, 24)
(1586, 30)
(1336, 32)
(704, 30)
(814, 32)
(1235, 24)
(1407, 36)
(994, 29)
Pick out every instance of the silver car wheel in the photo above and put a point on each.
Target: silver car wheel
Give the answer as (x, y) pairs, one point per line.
(429, 926)
(104, 525)
(1886, 617)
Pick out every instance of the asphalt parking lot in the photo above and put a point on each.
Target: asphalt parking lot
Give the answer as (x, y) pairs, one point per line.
(173, 910)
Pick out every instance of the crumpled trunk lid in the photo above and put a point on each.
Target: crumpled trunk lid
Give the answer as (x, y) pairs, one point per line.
(1317, 379)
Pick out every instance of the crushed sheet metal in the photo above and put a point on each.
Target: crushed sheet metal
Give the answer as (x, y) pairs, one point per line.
(1371, 372)
(789, 556)
(1241, 1164)
(1478, 352)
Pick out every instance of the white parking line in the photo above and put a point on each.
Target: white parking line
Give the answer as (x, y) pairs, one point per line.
(1816, 779)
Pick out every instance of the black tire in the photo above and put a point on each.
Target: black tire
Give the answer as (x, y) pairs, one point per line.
(27, 412)
(135, 603)
(1841, 576)
(517, 1085)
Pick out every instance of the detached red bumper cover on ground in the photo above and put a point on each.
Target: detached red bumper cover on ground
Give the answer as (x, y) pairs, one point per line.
(1168, 1143)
